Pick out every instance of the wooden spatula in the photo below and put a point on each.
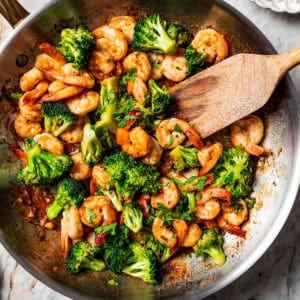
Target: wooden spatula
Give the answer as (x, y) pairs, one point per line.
(230, 90)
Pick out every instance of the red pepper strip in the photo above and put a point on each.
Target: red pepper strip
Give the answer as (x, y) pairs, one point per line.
(144, 203)
(133, 113)
(100, 238)
(20, 154)
(210, 223)
(236, 230)
(121, 220)
(209, 179)
(93, 187)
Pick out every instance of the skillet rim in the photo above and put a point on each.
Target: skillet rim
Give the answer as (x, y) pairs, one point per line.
(272, 233)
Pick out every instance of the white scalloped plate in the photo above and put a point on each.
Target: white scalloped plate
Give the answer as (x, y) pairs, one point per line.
(290, 6)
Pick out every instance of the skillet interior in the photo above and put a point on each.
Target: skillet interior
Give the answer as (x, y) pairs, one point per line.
(276, 185)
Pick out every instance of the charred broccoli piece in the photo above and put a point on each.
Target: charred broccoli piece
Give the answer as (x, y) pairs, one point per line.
(133, 217)
(82, 256)
(69, 192)
(43, 167)
(91, 147)
(161, 99)
(184, 158)
(57, 117)
(180, 34)
(150, 34)
(210, 243)
(234, 172)
(195, 59)
(142, 263)
(77, 45)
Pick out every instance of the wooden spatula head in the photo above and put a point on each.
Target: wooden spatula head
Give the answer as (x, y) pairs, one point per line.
(228, 91)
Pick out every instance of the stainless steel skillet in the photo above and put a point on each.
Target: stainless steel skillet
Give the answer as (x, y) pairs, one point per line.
(276, 185)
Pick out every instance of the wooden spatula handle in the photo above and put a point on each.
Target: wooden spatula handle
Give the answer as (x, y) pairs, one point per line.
(287, 60)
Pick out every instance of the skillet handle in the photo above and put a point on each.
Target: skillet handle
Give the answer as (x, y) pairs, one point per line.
(12, 11)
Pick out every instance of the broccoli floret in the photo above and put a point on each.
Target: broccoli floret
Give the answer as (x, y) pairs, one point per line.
(179, 33)
(142, 263)
(131, 176)
(234, 172)
(133, 217)
(57, 117)
(113, 197)
(184, 158)
(210, 243)
(115, 250)
(69, 192)
(77, 45)
(111, 228)
(161, 99)
(196, 60)
(150, 34)
(91, 147)
(162, 252)
(43, 167)
(106, 126)
(82, 256)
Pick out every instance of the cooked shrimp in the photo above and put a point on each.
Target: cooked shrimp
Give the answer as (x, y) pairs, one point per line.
(208, 157)
(175, 67)
(74, 132)
(181, 229)
(100, 176)
(35, 94)
(136, 142)
(84, 103)
(140, 62)
(30, 111)
(208, 207)
(156, 62)
(52, 51)
(172, 132)
(163, 234)
(212, 43)
(50, 143)
(101, 63)
(60, 91)
(230, 220)
(235, 217)
(80, 170)
(138, 89)
(248, 132)
(208, 210)
(72, 76)
(30, 79)
(26, 128)
(168, 195)
(111, 40)
(97, 211)
(154, 155)
(71, 227)
(125, 24)
(193, 235)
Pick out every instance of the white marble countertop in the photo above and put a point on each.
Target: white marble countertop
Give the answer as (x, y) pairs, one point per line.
(276, 275)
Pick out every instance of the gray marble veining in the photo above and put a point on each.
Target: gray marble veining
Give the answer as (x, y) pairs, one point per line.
(276, 275)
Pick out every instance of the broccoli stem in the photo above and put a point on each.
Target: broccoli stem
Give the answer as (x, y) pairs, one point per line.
(217, 255)
(54, 210)
(94, 264)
